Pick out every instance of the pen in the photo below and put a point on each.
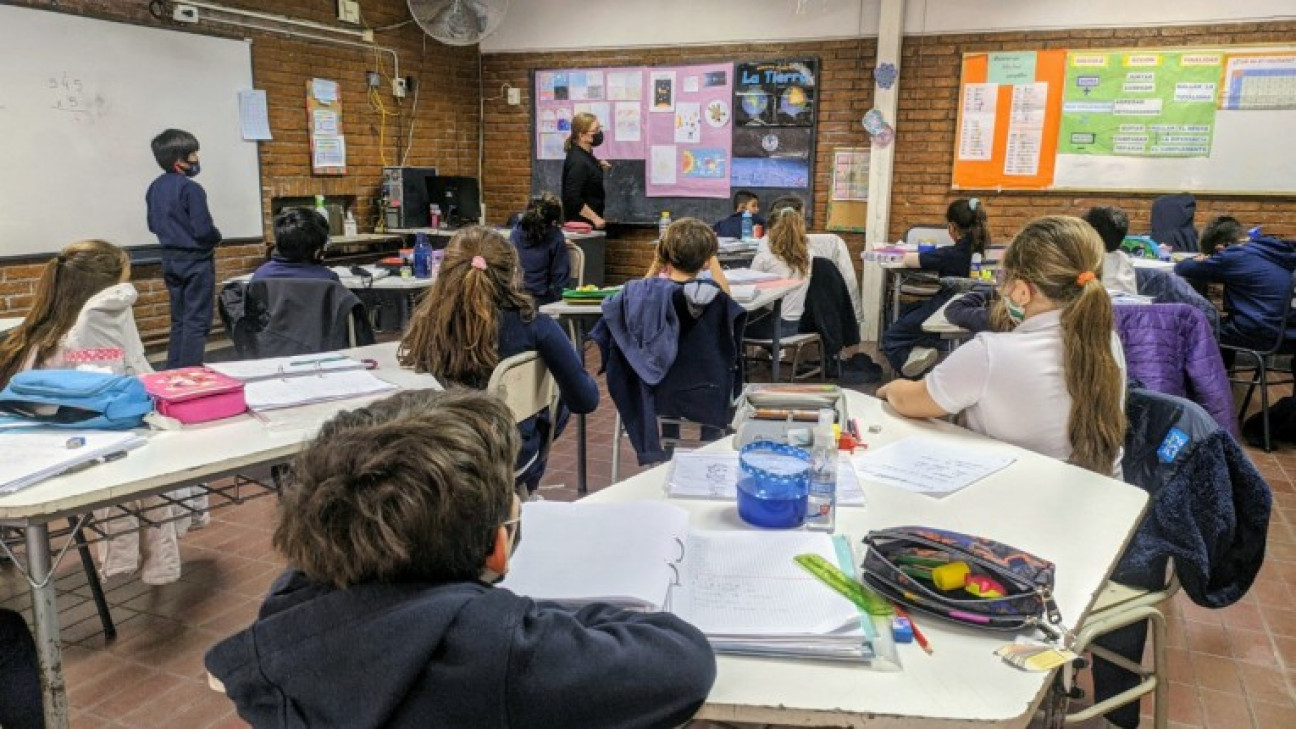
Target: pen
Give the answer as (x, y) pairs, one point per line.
(320, 360)
(918, 634)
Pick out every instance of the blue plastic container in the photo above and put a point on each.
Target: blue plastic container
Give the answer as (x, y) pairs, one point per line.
(773, 482)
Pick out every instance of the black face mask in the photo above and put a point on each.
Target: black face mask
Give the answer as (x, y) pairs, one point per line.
(598, 139)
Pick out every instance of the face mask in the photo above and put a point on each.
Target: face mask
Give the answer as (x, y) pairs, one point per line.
(1016, 311)
(193, 169)
(598, 139)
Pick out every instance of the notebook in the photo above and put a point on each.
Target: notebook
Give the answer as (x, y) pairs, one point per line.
(285, 382)
(741, 588)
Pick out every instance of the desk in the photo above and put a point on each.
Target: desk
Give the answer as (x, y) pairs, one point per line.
(939, 325)
(580, 318)
(1153, 263)
(171, 459)
(7, 323)
(1078, 520)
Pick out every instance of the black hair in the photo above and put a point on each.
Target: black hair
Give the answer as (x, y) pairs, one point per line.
(1221, 232)
(300, 234)
(543, 214)
(173, 145)
(969, 216)
(742, 197)
(1111, 223)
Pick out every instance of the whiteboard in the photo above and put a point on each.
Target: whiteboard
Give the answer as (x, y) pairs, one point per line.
(81, 171)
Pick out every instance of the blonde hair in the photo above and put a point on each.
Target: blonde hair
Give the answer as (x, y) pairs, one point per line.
(580, 124)
(454, 332)
(787, 238)
(78, 272)
(1062, 256)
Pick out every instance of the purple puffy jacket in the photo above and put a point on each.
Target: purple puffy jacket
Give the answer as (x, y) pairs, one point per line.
(1171, 348)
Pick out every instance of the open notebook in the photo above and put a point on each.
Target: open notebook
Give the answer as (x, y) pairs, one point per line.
(741, 588)
(285, 382)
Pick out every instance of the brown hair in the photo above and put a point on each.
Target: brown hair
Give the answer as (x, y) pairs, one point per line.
(687, 246)
(787, 237)
(80, 271)
(455, 330)
(580, 124)
(409, 489)
(1062, 257)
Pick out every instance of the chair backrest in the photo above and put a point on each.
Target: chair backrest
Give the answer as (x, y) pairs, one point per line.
(576, 257)
(525, 385)
(937, 233)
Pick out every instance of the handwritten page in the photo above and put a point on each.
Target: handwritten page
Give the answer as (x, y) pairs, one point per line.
(254, 121)
(714, 475)
(1026, 129)
(928, 465)
(977, 128)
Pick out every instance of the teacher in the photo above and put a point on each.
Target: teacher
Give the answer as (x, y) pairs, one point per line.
(582, 177)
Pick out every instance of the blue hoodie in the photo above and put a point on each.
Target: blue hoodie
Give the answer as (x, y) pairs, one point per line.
(1257, 278)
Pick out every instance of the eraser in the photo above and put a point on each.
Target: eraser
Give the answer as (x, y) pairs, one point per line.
(901, 630)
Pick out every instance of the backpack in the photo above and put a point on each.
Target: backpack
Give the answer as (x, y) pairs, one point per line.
(1282, 424)
(76, 399)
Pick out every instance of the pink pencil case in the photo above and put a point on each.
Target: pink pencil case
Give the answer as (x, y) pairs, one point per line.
(195, 394)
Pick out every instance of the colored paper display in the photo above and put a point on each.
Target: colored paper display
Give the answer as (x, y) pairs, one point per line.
(1259, 81)
(614, 95)
(691, 144)
(770, 172)
(1139, 104)
(776, 93)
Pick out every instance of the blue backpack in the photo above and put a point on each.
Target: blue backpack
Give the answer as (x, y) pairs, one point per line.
(76, 399)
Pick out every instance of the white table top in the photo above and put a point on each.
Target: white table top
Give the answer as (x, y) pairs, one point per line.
(172, 457)
(1078, 520)
(10, 322)
(355, 283)
(764, 297)
(447, 232)
(938, 324)
(1152, 263)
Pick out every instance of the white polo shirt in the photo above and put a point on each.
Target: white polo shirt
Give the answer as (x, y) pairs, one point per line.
(1012, 385)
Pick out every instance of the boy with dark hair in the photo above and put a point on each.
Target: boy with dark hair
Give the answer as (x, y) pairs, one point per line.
(178, 216)
(1112, 225)
(300, 237)
(687, 248)
(745, 201)
(1221, 233)
(401, 517)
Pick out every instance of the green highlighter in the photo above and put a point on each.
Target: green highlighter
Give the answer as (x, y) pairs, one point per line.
(828, 573)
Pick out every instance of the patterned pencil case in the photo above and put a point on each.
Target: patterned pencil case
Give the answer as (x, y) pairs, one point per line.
(962, 578)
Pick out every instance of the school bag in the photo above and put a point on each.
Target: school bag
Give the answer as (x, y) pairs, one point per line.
(195, 394)
(76, 399)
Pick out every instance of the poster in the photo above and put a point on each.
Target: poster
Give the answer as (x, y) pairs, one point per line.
(688, 122)
(551, 146)
(628, 124)
(775, 93)
(614, 95)
(330, 152)
(324, 122)
(1140, 104)
(663, 91)
(850, 179)
(1010, 69)
(977, 122)
(625, 85)
(770, 172)
(1259, 81)
(772, 142)
(717, 113)
(691, 146)
(704, 163)
(661, 165)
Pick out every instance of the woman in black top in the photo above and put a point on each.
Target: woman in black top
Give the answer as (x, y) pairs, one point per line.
(582, 178)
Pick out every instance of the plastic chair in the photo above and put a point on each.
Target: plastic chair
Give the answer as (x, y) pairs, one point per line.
(576, 259)
(1260, 371)
(526, 386)
(796, 343)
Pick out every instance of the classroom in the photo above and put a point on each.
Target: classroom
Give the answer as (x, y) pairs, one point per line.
(1025, 269)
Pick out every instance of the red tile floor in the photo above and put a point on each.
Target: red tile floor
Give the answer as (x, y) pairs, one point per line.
(1229, 669)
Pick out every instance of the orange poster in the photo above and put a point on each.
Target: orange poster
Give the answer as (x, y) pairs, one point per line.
(1010, 106)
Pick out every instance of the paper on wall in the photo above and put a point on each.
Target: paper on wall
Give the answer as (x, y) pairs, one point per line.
(600, 109)
(1026, 129)
(663, 91)
(662, 161)
(551, 146)
(688, 123)
(977, 125)
(330, 152)
(324, 91)
(691, 84)
(324, 122)
(928, 466)
(628, 126)
(624, 85)
(254, 121)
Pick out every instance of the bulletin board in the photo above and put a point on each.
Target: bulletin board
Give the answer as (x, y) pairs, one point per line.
(683, 138)
(1205, 120)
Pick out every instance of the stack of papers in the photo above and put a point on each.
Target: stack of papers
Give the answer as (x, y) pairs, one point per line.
(285, 382)
(35, 454)
(742, 292)
(748, 276)
(928, 466)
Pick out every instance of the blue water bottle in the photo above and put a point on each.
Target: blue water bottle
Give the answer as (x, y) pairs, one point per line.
(747, 225)
(422, 256)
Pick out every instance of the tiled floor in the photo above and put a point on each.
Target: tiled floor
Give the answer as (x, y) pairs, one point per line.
(1229, 669)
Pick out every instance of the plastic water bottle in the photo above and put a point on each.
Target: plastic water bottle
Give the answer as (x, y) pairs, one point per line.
(976, 267)
(422, 256)
(747, 232)
(821, 503)
(663, 224)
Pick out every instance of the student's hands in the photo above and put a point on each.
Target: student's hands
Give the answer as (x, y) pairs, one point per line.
(605, 165)
(599, 223)
(717, 274)
(881, 393)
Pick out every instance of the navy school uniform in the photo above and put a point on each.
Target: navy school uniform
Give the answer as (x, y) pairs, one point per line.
(1257, 282)
(278, 267)
(545, 266)
(179, 217)
(731, 227)
(900, 338)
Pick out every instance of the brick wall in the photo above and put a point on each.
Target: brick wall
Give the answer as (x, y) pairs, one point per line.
(925, 129)
(444, 127)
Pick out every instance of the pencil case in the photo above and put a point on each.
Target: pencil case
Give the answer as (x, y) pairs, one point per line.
(195, 394)
(899, 564)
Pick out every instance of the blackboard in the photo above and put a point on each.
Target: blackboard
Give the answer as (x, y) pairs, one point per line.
(625, 183)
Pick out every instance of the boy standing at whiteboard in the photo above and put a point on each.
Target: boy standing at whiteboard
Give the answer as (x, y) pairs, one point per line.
(178, 216)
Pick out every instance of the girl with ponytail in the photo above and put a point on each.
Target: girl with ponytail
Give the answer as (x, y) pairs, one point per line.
(476, 315)
(1055, 384)
(542, 249)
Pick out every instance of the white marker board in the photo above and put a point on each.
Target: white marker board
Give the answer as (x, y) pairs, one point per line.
(80, 100)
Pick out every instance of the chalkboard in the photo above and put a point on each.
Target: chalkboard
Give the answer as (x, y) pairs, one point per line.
(625, 183)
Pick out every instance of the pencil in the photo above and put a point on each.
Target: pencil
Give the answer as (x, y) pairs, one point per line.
(918, 634)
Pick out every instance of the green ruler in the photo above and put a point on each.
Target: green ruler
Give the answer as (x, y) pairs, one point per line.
(864, 598)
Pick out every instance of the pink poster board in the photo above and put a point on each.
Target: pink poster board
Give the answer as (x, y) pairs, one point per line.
(614, 95)
(689, 130)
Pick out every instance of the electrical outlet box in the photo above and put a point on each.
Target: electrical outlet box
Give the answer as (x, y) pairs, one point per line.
(514, 96)
(184, 14)
(398, 88)
(372, 80)
(349, 11)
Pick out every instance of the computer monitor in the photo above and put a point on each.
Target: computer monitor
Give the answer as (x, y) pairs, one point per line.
(458, 197)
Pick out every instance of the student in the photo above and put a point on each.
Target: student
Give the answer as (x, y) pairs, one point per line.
(787, 255)
(20, 678)
(1117, 272)
(83, 302)
(1221, 233)
(300, 237)
(542, 249)
(178, 216)
(682, 256)
(476, 316)
(1257, 280)
(1055, 384)
(1172, 221)
(910, 350)
(401, 517)
(745, 201)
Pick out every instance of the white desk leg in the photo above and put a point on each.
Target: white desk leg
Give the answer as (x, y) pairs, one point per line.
(45, 617)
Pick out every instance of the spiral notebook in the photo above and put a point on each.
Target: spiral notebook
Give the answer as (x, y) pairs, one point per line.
(740, 588)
